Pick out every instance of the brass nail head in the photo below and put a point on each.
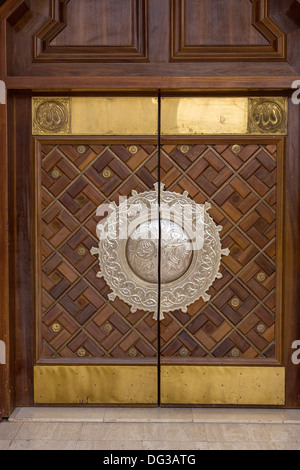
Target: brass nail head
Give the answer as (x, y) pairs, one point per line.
(183, 352)
(235, 302)
(236, 149)
(184, 149)
(55, 327)
(133, 149)
(107, 327)
(235, 352)
(81, 149)
(132, 352)
(55, 173)
(106, 173)
(81, 352)
(261, 277)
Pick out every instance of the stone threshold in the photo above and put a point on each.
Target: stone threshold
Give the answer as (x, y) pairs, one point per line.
(154, 415)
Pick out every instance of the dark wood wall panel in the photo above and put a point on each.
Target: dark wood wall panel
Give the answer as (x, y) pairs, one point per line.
(22, 261)
(230, 30)
(213, 37)
(106, 30)
(110, 23)
(226, 23)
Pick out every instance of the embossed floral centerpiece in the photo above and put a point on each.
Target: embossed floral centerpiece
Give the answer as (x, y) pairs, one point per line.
(139, 231)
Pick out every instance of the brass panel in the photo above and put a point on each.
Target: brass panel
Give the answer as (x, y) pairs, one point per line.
(204, 116)
(124, 115)
(117, 115)
(268, 115)
(51, 116)
(222, 385)
(223, 116)
(95, 384)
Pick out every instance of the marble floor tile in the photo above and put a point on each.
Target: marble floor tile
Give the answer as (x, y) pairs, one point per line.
(285, 433)
(118, 431)
(29, 444)
(109, 445)
(209, 415)
(8, 430)
(291, 416)
(287, 445)
(144, 431)
(151, 415)
(4, 445)
(49, 431)
(241, 445)
(55, 414)
(233, 432)
(174, 445)
(189, 432)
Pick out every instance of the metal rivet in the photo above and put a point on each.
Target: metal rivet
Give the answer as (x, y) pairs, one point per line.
(81, 148)
(55, 327)
(236, 149)
(261, 328)
(55, 173)
(235, 352)
(183, 352)
(81, 251)
(133, 149)
(132, 352)
(81, 352)
(184, 149)
(107, 327)
(261, 277)
(106, 173)
(235, 302)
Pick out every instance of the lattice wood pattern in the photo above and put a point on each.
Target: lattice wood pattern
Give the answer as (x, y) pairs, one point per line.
(239, 320)
(77, 318)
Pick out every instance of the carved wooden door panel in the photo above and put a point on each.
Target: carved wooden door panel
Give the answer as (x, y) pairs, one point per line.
(221, 345)
(90, 349)
(237, 325)
(226, 349)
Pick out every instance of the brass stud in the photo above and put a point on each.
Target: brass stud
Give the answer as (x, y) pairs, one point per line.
(235, 352)
(261, 277)
(81, 251)
(132, 352)
(235, 302)
(133, 149)
(81, 352)
(261, 328)
(184, 149)
(55, 327)
(81, 149)
(106, 173)
(107, 327)
(236, 149)
(183, 352)
(55, 173)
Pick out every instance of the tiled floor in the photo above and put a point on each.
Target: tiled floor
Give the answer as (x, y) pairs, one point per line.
(151, 429)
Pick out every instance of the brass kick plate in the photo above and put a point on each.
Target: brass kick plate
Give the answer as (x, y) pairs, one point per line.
(95, 384)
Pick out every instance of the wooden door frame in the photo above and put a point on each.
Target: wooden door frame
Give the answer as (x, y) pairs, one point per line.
(17, 382)
(9, 128)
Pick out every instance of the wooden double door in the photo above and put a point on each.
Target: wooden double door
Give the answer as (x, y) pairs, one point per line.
(89, 348)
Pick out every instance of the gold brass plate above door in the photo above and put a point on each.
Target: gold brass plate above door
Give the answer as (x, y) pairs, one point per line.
(180, 116)
(225, 116)
(222, 385)
(94, 116)
(88, 384)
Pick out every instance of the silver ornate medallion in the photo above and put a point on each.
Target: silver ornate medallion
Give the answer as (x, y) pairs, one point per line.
(132, 237)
